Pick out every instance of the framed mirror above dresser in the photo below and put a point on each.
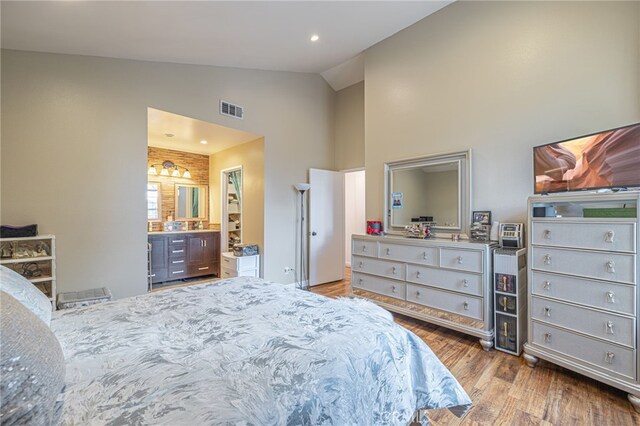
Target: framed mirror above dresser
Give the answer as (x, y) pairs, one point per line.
(438, 280)
(435, 189)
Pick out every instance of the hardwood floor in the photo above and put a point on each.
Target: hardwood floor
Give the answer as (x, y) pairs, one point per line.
(504, 390)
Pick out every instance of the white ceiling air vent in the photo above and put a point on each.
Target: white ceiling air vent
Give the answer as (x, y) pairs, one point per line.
(231, 110)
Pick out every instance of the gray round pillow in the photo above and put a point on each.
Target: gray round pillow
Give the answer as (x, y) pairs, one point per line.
(31, 367)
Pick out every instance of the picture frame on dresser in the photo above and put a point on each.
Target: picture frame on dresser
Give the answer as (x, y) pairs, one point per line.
(482, 217)
(583, 277)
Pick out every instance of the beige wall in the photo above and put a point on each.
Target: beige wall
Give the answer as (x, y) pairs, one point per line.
(250, 156)
(74, 152)
(499, 77)
(349, 136)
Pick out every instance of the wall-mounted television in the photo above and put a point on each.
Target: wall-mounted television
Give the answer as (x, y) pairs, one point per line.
(608, 159)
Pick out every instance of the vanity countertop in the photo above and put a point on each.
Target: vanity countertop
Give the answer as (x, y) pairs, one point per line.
(182, 232)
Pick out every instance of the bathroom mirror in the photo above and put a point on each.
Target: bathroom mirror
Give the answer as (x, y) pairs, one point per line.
(154, 204)
(429, 189)
(191, 202)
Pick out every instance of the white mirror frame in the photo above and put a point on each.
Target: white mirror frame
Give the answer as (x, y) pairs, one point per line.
(463, 158)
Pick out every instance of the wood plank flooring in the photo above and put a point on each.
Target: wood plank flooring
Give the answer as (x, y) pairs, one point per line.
(507, 392)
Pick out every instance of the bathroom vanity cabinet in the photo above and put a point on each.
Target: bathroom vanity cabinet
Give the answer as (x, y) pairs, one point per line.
(183, 255)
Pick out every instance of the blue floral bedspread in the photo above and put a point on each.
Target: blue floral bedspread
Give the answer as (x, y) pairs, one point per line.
(246, 352)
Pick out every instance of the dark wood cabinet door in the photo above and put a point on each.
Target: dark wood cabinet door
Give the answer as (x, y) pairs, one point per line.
(195, 250)
(210, 249)
(159, 258)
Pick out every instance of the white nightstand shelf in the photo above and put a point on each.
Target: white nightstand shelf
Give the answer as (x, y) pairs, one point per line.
(32, 262)
(239, 266)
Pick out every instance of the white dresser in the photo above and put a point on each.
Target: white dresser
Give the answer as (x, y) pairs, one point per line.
(439, 281)
(239, 266)
(583, 273)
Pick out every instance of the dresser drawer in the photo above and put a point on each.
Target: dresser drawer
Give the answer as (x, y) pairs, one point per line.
(241, 263)
(406, 253)
(391, 288)
(468, 306)
(606, 266)
(604, 325)
(395, 270)
(464, 260)
(587, 235)
(442, 278)
(177, 240)
(230, 273)
(364, 248)
(599, 294)
(179, 251)
(607, 356)
(177, 271)
(177, 261)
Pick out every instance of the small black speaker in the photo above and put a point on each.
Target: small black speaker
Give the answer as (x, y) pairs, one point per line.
(539, 211)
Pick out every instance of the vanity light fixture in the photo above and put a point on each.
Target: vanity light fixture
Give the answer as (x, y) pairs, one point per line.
(169, 168)
(315, 37)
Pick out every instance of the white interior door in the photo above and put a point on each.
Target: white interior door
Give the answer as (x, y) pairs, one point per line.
(326, 226)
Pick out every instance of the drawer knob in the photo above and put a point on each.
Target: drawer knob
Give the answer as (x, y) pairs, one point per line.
(417, 274)
(546, 285)
(424, 255)
(610, 327)
(465, 282)
(177, 251)
(177, 261)
(393, 270)
(178, 272)
(611, 297)
(203, 269)
(547, 233)
(547, 337)
(608, 358)
(177, 241)
(360, 281)
(460, 259)
(364, 248)
(417, 293)
(465, 305)
(547, 311)
(393, 288)
(360, 265)
(547, 259)
(608, 236)
(388, 251)
(611, 267)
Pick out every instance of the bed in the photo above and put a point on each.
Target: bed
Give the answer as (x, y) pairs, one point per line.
(246, 351)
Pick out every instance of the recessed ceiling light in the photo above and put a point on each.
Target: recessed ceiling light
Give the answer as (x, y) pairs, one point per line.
(169, 135)
(315, 37)
(203, 142)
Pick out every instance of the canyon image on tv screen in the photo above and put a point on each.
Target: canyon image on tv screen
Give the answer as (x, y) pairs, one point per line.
(608, 159)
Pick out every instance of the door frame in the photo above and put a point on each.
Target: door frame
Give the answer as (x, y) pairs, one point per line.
(348, 237)
(224, 215)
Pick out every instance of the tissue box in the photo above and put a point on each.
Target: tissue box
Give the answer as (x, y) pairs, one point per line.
(245, 250)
